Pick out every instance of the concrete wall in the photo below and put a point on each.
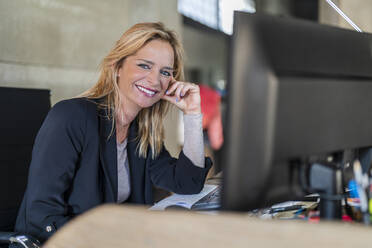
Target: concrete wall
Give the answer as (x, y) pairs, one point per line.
(206, 51)
(359, 11)
(56, 44)
(277, 7)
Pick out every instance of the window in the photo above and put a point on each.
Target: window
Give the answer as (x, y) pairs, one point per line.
(205, 11)
(217, 14)
(226, 12)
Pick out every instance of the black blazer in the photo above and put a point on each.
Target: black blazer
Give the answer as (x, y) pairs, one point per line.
(74, 168)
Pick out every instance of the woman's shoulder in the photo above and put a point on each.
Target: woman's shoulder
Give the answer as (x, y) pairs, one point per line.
(75, 105)
(74, 109)
(80, 102)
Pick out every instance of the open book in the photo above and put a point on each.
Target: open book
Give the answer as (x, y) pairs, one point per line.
(185, 201)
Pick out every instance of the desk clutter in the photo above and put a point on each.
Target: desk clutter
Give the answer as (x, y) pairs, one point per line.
(209, 200)
(356, 202)
(302, 210)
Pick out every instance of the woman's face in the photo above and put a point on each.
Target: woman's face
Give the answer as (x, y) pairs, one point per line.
(145, 76)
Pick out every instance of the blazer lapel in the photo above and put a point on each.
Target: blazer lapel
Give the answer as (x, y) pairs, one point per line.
(137, 167)
(108, 157)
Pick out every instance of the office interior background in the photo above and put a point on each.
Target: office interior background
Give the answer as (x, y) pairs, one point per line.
(58, 44)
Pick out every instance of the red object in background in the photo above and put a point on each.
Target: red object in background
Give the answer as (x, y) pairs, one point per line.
(347, 218)
(212, 121)
(314, 216)
(314, 219)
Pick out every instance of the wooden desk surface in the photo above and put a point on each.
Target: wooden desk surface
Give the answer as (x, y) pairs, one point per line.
(131, 226)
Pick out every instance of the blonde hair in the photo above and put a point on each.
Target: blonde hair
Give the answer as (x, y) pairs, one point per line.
(150, 120)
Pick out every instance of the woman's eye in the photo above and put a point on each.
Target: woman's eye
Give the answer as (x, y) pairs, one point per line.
(144, 66)
(165, 73)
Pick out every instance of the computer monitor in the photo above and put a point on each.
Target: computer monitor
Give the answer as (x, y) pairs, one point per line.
(298, 92)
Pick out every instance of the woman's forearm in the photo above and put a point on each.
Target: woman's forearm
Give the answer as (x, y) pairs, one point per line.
(193, 146)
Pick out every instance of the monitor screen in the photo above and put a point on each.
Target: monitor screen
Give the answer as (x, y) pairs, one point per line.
(299, 91)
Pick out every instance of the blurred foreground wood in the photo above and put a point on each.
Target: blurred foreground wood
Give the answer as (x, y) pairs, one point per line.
(130, 226)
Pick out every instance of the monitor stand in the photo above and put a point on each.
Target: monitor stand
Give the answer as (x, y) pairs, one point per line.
(327, 181)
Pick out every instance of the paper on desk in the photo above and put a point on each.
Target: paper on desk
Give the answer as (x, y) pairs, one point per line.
(183, 200)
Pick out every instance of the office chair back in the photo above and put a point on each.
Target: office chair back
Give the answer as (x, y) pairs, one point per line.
(22, 112)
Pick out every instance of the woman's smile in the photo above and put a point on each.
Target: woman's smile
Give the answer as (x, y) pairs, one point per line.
(146, 91)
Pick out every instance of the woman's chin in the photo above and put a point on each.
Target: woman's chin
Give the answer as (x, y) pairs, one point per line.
(146, 104)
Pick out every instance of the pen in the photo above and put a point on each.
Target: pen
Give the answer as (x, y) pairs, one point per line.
(283, 209)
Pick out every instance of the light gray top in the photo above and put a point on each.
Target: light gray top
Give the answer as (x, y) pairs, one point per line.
(123, 172)
(193, 146)
(193, 149)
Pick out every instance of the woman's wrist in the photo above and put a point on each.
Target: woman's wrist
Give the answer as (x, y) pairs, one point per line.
(195, 111)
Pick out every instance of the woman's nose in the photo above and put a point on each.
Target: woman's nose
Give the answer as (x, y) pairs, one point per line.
(153, 77)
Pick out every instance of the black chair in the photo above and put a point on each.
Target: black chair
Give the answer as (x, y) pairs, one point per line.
(22, 113)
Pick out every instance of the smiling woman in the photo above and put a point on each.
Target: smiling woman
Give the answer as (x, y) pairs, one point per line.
(107, 144)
